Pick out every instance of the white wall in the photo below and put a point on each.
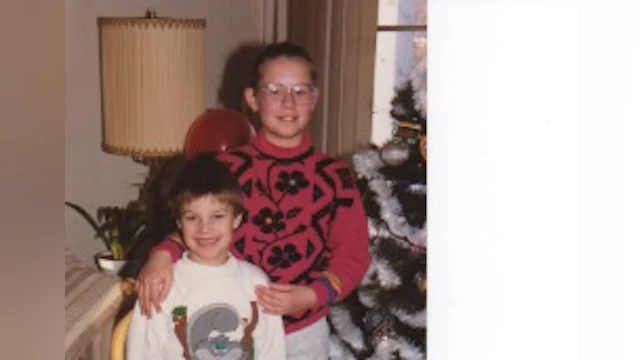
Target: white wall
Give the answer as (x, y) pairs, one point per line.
(92, 177)
(534, 203)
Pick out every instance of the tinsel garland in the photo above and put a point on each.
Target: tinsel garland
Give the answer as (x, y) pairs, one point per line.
(385, 318)
(367, 165)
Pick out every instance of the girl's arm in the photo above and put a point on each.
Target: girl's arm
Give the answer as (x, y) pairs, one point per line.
(348, 240)
(156, 276)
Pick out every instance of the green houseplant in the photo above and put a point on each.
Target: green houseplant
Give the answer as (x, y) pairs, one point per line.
(119, 227)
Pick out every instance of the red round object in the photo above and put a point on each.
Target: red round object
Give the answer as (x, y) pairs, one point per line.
(218, 130)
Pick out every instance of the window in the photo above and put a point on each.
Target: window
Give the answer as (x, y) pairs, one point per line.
(401, 56)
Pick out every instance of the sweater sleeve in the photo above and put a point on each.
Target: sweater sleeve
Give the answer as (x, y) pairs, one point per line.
(172, 245)
(348, 242)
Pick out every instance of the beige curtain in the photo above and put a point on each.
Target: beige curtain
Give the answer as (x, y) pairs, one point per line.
(274, 20)
(340, 37)
(271, 20)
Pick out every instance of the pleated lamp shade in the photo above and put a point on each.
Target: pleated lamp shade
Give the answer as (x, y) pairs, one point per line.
(153, 83)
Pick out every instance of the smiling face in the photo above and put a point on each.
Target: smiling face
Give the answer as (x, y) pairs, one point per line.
(284, 119)
(207, 226)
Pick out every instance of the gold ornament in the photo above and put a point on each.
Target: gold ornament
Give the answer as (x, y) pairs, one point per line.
(423, 147)
(421, 282)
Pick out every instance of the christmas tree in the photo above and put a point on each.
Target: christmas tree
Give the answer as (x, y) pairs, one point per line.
(385, 318)
(406, 151)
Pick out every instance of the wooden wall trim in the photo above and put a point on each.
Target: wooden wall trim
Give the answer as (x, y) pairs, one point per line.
(340, 36)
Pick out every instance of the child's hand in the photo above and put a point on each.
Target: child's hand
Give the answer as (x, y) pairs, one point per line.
(283, 299)
(154, 282)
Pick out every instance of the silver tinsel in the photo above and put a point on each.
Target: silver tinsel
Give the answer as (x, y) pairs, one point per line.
(352, 334)
(367, 164)
(382, 334)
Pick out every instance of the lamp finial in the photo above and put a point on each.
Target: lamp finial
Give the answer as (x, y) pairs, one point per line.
(150, 13)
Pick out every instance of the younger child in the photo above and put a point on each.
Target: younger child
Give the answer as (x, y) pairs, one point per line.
(211, 310)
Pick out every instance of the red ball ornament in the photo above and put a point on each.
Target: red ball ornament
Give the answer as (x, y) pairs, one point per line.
(218, 130)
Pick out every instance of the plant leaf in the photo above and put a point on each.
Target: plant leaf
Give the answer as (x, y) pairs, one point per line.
(104, 231)
(84, 214)
(119, 227)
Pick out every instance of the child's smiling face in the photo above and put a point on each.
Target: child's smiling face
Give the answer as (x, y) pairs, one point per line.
(285, 121)
(207, 226)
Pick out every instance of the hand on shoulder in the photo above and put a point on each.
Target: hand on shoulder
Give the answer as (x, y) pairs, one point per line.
(154, 282)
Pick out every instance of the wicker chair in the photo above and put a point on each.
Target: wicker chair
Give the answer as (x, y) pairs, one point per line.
(120, 330)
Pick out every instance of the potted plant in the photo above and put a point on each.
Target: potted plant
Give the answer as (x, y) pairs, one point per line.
(119, 228)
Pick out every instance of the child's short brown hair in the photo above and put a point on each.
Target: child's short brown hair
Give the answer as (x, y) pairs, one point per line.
(205, 175)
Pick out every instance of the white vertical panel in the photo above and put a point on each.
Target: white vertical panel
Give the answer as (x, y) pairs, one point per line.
(533, 180)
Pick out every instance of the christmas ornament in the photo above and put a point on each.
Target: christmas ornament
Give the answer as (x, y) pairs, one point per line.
(421, 282)
(410, 122)
(378, 324)
(423, 147)
(409, 131)
(395, 152)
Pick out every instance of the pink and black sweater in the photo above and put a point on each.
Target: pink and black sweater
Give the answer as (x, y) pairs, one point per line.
(305, 223)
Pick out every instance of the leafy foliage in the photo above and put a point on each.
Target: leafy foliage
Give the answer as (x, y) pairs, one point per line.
(119, 227)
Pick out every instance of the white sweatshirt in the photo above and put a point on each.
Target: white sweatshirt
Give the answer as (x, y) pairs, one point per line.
(220, 318)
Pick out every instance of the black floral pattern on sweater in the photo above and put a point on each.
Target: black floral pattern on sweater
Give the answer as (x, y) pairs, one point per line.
(283, 257)
(291, 182)
(269, 221)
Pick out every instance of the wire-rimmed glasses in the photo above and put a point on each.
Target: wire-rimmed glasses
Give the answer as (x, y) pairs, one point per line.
(302, 94)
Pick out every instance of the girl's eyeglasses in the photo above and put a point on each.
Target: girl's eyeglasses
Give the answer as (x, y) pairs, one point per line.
(303, 94)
